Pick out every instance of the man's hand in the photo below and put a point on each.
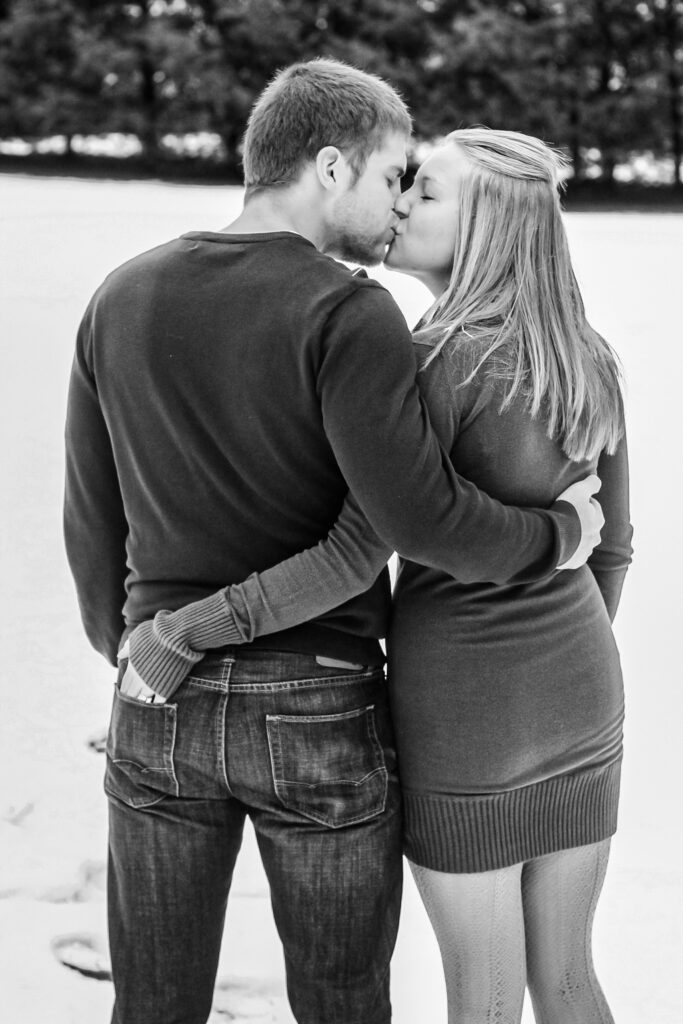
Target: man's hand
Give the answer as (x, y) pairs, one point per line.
(590, 516)
(133, 685)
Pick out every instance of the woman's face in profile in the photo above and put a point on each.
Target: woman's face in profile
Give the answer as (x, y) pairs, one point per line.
(424, 240)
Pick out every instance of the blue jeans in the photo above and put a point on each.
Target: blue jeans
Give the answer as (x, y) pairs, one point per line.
(307, 752)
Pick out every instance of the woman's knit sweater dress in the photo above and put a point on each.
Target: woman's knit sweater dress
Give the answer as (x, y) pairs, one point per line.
(507, 700)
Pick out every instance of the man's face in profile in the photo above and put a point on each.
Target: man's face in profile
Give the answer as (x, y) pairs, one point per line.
(363, 216)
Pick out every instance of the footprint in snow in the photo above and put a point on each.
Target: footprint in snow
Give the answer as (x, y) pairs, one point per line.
(83, 953)
(246, 999)
(98, 742)
(243, 1000)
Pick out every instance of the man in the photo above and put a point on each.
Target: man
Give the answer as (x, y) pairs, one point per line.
(227, 389)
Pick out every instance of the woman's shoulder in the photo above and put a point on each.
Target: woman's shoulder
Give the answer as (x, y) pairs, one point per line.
(459, 365)
(453, 393)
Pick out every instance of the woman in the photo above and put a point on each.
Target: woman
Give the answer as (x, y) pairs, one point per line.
(507, 700)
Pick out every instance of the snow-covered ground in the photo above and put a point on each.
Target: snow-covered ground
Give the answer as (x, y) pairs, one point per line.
(58, 239)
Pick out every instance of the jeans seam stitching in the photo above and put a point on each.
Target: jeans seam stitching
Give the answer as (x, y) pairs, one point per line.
(216, 685)
(339, 716)
(303, 683)
(225, 700)
(170, 727)
(380, 770)
(273, 751)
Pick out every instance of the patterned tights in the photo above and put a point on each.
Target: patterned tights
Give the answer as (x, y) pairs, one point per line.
(526, 925)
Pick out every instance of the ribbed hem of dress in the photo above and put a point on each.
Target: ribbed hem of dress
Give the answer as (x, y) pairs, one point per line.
(462, 834)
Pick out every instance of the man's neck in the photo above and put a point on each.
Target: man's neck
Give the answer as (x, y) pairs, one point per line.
(267, 211)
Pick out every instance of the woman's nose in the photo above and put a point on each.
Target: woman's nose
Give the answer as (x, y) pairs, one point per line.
(402, 206)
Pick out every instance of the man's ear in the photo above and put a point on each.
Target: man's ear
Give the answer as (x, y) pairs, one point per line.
(331, 167)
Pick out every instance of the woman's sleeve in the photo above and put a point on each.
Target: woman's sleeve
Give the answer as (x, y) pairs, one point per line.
(342, 565)
(611, 558)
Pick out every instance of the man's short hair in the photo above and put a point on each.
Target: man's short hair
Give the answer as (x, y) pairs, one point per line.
(314, 104)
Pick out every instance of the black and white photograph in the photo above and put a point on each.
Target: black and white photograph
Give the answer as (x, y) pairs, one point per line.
(342, 361)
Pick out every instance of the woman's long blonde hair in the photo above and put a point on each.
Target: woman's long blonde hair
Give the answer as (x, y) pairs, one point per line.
(514, 299)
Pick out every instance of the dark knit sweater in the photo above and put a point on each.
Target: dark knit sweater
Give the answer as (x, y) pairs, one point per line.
(226, 390)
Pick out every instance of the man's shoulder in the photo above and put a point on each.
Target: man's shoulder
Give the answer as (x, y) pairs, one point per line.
(340, 296)
(355, 283)
(131, 277)
(346, 279)
(292, 276)
(147, 260)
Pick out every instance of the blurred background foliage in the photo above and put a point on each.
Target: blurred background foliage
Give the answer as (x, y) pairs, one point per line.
(172, 81)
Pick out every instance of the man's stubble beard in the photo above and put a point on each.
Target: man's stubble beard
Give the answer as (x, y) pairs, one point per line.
(367, 252)
(351, 242)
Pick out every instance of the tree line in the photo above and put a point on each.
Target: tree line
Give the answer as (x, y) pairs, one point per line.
(601, 78)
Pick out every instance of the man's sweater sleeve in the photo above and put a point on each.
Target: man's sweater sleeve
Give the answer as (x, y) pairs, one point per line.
(95, 527)
(394, 465)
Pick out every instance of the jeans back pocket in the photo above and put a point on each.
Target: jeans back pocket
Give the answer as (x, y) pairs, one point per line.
(329, 768)
(139, 751)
